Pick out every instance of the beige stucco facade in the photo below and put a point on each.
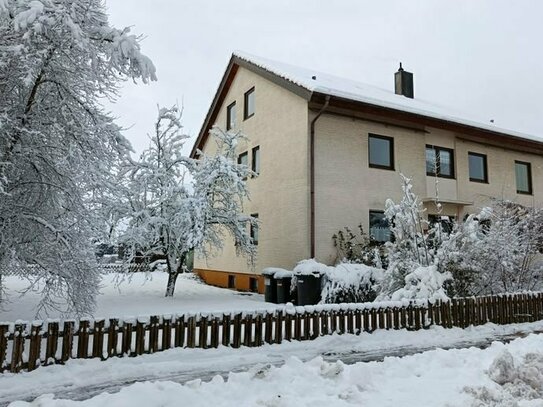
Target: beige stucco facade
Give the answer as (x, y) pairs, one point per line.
(346, 188)
(280, 195)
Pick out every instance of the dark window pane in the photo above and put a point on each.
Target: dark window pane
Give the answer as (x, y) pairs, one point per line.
(445, 163)
(379, 227)
(231, 116)
(522, 174)
(254, 230)
(477, 167)
(439, 161)
(256, 160)
(249, 103)
(380, 152)
(243, 158)
(430, 161)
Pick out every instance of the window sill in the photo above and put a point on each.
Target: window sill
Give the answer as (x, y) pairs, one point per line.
(248, 117)
(525, 192)
(381, 167)
(440, 176)
(479, 181)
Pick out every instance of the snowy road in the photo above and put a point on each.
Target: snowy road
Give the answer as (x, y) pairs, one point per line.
(80, 380)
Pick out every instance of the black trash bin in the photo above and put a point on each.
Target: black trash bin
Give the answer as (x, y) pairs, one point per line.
(283, 280)
(270, 284)
(308, 286)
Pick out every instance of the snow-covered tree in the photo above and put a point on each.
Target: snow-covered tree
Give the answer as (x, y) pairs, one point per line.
(497, 250)
(410, 248)
(178, 204)
(59, 148)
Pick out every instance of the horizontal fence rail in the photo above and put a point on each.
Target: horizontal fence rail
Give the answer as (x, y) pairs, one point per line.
(28, 345)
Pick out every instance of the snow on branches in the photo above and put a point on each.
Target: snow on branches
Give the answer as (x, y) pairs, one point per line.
(59, 149)
(177, 204)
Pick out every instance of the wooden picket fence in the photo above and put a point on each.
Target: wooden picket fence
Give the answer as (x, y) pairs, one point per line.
(26, 346)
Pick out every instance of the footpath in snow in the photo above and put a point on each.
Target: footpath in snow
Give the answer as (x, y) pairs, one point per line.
(284, 375)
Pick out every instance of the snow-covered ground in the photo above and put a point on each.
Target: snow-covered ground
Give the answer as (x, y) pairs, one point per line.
(142, 295)
(428, 379)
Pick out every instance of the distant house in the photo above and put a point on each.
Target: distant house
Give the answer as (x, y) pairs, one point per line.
(329, 152)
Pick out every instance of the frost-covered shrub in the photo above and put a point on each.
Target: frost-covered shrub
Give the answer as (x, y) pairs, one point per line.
(425, 282)
(497, 250)
(349, 282)
(359, 248)
(411, 271)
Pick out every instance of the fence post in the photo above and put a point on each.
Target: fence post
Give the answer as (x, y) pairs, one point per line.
(51, 345)
(18, 348)
(236, 342)
(226, 330)
(202, 338)
(4, 333)
(366, 314)
(316, 325)
(297, 326)
(358, 321)
(83, 340)
(112, 337)
(127, 338)
(288, 326)
(381, 315)
(324, 322)
(307, 326)
(279, 326)
(179, 340)
(140, 337)
(191, 332)
(215, 332)
(258, 330)
(166, 332)
(98, 339)
(268, 330)
(341, 321)
(67, 340)
(35, 345)
(248, 330)
(153, 333)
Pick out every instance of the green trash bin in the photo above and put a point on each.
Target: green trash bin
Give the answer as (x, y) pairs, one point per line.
(308, 286)
(270, 284)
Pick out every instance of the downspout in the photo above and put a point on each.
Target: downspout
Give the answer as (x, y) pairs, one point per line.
(312, 173)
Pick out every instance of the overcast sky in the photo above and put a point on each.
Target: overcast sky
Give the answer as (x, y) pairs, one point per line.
(481, 57)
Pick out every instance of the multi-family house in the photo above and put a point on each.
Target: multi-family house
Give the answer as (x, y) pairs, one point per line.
(329, 152)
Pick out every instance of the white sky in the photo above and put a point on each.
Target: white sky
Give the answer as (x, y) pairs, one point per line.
(484, 57)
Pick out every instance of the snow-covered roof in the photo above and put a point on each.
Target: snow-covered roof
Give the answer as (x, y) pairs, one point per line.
(361, 92)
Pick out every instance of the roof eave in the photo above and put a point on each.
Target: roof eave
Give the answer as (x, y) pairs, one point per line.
(387, 112)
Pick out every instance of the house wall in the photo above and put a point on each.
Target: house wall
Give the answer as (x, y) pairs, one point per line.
(280, 195)
(347, 188)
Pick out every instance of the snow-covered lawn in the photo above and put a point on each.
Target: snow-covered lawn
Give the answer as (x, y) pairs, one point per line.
(142, 295)
(434, 378)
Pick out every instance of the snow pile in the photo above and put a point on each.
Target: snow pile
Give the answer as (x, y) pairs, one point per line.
(425, 282)
(436, 378)
(349, 282)
(310, 267)
(517, 383)
(277, 272)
